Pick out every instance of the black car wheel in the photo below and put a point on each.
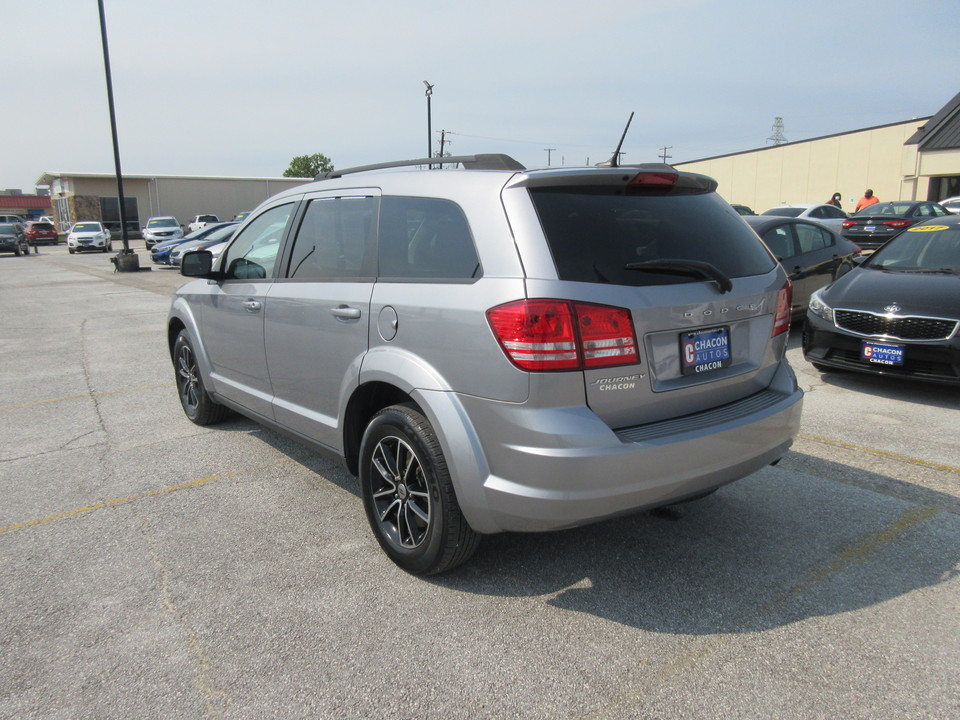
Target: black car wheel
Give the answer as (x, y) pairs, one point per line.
(408, 495)
(197, 405)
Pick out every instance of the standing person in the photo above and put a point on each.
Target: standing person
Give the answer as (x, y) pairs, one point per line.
(867, 200)
(835, 201)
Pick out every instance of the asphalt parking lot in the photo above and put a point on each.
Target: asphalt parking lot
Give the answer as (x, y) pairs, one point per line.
(152, 568)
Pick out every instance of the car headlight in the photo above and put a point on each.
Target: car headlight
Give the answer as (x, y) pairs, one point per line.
(819, 308)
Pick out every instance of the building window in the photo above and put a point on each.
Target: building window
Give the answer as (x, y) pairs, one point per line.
(110, 214)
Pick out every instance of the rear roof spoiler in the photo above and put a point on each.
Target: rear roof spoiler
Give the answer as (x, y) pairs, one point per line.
(488, 161)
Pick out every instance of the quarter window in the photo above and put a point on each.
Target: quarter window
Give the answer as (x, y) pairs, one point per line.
(811, 238)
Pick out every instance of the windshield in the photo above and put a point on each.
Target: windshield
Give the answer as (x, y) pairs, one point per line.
(86, 227)
(7, 229)
(599, 236)
(163, 222)
(784, 212)
(922, 248)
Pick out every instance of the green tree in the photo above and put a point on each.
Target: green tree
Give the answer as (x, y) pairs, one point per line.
(308, 166)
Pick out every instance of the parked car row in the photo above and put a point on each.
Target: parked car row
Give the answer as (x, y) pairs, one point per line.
(211, 234)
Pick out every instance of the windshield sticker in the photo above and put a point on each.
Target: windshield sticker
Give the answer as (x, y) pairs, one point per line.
(927, 228)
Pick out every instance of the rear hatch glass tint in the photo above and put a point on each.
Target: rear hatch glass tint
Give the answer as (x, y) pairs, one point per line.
(595, 233)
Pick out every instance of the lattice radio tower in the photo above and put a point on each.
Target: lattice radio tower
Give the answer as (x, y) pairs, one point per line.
(777, 138)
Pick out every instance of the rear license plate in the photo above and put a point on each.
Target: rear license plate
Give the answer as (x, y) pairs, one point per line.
(882, 354)
(870, 228)
(704, 350)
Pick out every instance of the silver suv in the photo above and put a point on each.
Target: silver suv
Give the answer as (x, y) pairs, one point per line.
(495, 349)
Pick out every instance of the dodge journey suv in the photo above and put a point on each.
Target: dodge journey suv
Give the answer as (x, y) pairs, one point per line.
(495, 349)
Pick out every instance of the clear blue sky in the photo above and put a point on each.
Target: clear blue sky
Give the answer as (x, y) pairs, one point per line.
(239, 87)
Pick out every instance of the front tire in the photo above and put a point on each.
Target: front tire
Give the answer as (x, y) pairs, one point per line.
(408, 494)
(197, 405)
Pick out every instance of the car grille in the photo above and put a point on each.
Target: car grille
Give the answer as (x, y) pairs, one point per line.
(895, 326)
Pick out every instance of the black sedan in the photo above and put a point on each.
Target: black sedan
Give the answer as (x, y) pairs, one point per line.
(874, 225)
(896, 314)
(812, 254)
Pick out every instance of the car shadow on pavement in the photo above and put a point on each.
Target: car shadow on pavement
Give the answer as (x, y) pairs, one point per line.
(894, 388)
(762, 553)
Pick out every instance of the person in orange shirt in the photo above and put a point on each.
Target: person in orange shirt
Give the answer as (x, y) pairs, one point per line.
(867, 200)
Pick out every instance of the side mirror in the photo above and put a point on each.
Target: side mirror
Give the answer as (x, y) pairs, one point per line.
(198, 263)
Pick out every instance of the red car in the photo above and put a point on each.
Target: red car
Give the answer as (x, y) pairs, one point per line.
(40, 232)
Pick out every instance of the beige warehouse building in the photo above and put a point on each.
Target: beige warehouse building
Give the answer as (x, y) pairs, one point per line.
(93, 196)
(915, 159)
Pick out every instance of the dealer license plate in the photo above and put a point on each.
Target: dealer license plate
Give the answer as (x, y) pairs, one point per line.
(882, 354)
(705, 350)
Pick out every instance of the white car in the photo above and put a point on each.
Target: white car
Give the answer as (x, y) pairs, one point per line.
(88, 236)
(200, 221)
(952, 205)
(828, 215)
(160, 229)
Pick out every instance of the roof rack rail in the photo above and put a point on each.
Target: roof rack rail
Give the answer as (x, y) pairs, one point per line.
(486, 161)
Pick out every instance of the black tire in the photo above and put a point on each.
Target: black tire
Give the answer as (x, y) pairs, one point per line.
(197, 405)
(71, 250)
(408, 495)
(16, 251)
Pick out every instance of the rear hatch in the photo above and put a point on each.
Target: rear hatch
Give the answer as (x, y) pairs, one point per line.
(701, 291)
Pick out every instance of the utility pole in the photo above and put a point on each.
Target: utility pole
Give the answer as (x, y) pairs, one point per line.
(663, 153)
(548, 151)
(443, 141)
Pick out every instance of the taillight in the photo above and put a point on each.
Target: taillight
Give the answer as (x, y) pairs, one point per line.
(544, 335)
(781, 321)
(848, 223)
(898, 223)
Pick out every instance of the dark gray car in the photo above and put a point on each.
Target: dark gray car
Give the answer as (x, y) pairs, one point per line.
(495, 349)
(13, 239)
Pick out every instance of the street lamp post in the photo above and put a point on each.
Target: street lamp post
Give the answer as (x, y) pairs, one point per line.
(429, 128)
(129, 259)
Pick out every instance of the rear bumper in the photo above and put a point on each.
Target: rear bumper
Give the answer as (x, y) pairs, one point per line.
(553, 468)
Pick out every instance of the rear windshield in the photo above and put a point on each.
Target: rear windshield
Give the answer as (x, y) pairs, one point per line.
(595, 233)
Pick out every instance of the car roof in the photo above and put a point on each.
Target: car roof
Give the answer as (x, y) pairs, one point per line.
(762, 222)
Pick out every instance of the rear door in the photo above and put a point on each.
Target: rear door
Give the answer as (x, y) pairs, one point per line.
(318, 314)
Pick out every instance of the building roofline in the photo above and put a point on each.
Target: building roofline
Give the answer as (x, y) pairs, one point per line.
(813, 139)
(50, 175)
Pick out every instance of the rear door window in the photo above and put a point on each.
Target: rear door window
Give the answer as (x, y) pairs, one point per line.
(594, 234)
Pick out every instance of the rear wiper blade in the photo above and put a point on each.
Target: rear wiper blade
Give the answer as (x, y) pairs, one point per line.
(690, 268)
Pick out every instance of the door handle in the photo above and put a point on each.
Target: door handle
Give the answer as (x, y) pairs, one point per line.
(345, 312)
(252, 305)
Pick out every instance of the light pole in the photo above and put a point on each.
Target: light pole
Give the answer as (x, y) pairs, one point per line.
(429, 128)
(130, 261)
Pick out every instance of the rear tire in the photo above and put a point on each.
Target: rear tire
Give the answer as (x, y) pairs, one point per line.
(408, 494)
(196, 403)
